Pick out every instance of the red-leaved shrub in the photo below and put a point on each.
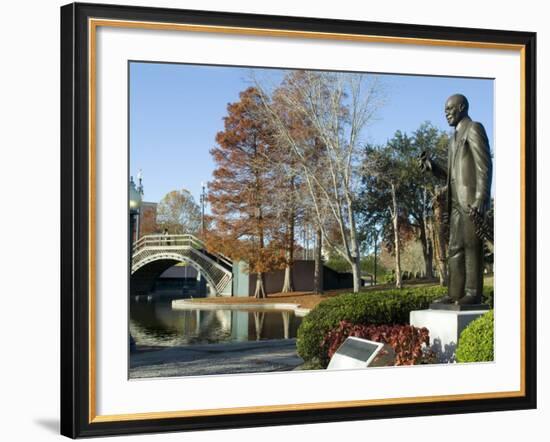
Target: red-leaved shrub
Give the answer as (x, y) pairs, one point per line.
(405, 340)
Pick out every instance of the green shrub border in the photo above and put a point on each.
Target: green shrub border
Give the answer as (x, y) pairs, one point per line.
(389, 306)
(476, 342)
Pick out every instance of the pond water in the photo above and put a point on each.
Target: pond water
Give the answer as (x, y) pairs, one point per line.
(155, 323)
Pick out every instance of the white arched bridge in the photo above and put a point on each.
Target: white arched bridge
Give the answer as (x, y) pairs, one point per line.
(153, 254)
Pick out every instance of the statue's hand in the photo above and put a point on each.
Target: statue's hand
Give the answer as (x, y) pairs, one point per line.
(424, 162)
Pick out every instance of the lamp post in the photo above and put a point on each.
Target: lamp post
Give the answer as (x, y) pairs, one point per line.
(135, 205)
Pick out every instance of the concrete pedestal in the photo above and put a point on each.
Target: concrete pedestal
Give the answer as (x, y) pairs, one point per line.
(445, 327)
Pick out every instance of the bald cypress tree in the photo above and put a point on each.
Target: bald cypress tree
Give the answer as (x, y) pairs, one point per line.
(242, 216)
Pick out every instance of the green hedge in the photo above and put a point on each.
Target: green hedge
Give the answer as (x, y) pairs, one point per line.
(376, 307)
(476, 340)
(390, 306)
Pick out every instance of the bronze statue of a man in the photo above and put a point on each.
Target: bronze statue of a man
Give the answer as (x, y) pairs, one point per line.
(468, 175)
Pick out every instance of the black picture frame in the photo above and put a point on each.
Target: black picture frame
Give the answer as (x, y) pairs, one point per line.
(76, 249)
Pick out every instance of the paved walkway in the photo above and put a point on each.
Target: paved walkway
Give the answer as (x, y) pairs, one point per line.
(200, 360)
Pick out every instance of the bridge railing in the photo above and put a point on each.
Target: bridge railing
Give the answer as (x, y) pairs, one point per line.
(176, 242)
(185, 240)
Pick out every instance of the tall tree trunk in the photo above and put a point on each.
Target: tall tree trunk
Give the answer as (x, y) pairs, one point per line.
(287, 282)
(374, 281)
(356, 272)
(318, 273)
(397, 242)
(439, 236)
(427, 250)
(354, 243)
(260, 289)
(288, 286)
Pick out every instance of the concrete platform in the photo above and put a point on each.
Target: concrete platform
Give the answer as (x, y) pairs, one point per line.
(187, 304)
(445, 327)
(209, 359)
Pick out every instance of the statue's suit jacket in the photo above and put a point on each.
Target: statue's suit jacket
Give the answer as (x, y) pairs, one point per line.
(469, 166)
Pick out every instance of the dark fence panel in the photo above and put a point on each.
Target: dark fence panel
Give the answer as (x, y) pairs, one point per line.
(302, 279)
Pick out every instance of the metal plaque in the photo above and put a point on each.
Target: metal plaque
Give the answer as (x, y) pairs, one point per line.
(354, 353)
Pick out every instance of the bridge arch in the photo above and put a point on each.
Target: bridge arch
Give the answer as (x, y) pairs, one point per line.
(160, 263)
(153, 254)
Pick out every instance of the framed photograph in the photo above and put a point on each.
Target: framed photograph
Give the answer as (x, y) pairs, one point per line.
(273, 220)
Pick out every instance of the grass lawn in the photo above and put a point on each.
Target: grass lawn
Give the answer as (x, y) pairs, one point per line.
(304, 299)
(310, 299)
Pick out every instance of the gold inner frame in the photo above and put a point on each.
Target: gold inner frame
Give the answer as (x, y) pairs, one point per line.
(93, 24)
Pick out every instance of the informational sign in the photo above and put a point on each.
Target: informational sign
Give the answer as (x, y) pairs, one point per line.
(354, 353)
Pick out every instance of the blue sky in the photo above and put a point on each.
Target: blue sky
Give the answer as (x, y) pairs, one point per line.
(176, 111)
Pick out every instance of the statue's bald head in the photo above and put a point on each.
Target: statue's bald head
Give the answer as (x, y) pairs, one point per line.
(456, 108)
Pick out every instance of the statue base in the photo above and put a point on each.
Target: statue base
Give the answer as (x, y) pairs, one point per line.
(458, 307)
(445, 326)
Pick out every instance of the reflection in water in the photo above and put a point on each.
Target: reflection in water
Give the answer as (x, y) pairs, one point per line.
(156, 324)
(259, 323)
(286, 322)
